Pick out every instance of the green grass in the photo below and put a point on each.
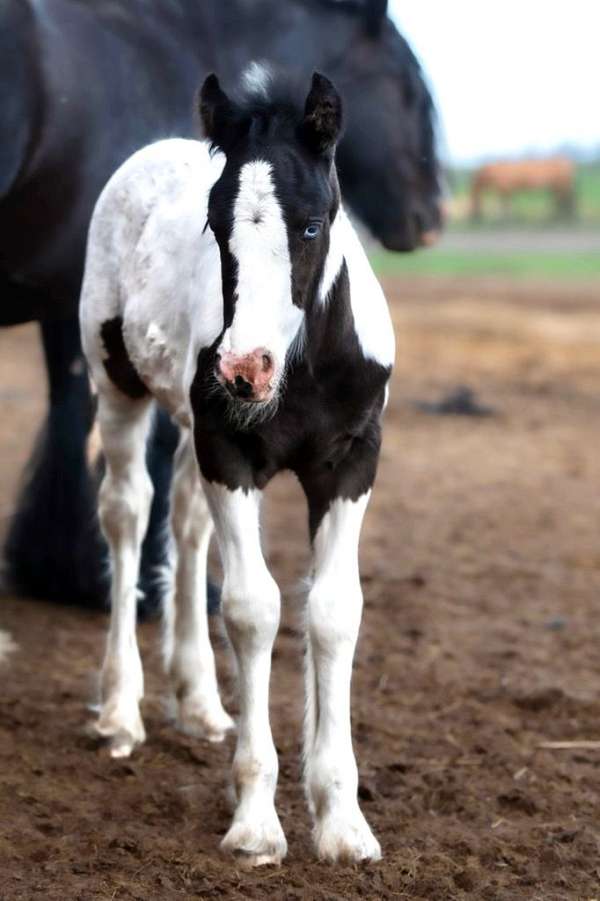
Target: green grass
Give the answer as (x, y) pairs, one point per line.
(458, 262)
(588, 192)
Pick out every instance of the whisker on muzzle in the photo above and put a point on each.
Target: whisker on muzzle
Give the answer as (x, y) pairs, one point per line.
(243, 414)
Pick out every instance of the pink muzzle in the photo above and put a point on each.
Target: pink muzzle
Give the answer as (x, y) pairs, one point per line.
(248, 377)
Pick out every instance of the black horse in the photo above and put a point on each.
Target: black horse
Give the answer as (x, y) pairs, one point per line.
(84, 83)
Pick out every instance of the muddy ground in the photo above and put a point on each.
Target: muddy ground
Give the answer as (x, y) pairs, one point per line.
(480, 642)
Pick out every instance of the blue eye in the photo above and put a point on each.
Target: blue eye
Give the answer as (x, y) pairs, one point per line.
(312, 231)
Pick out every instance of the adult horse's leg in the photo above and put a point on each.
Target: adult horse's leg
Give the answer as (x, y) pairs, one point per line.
(54, 549)
(155, 549)
(475, 200)
(564, 195)
(506, 196)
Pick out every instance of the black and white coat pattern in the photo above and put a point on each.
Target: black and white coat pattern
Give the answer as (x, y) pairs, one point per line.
(230, 287)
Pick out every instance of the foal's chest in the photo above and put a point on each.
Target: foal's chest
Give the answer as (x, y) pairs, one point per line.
(313, 431)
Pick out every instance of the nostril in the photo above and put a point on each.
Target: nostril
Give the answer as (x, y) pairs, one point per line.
(242, 387)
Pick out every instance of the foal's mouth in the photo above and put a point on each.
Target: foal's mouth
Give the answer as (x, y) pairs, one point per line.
(245, 407)
(249, 399)
(245, 412)
(243, 393)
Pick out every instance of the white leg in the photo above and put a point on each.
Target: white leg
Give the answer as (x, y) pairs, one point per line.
(251, 609)
(124, 507)
(334, 612)
(190, 659)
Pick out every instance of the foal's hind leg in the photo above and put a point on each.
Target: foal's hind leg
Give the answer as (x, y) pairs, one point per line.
(124, 506)
(189, 654)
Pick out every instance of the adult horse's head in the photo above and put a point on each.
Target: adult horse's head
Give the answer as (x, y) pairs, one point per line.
(387, 158)
(271, 212)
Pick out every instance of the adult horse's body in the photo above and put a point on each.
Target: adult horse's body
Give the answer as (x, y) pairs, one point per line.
(506, 178)
(233, 289)
(83, 85)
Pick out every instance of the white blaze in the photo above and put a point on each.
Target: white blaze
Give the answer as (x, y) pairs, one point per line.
(264, 314)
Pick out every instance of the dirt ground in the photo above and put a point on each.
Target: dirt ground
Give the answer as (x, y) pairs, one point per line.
(480, 643)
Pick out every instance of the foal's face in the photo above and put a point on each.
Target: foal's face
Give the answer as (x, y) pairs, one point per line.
(270, 212)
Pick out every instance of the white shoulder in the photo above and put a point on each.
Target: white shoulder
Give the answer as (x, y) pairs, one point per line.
(161, 165)
(171, 152)
(175, 153)
(172, 174)
(372, 320)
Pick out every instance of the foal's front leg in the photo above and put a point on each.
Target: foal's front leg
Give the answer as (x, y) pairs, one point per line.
(334, 613)
(251, 604)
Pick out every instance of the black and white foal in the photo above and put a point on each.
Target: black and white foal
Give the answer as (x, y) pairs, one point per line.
(232, 288)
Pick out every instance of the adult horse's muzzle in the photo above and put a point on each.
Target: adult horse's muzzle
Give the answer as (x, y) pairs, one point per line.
(421, 227)
(419, 232)
(406, 243)
(247, 377)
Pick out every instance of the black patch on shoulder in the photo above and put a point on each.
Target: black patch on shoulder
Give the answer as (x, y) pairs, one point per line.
(119, 367)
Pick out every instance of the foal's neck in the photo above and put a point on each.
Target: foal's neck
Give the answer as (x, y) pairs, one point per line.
(330, 335)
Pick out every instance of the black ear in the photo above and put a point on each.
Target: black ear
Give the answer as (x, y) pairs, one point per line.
(375, 14)
(220, 116)
(322, 123)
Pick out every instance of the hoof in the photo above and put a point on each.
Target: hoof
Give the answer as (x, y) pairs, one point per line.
(194, 719)
(346, 839)
(122, 727)
(256, 844)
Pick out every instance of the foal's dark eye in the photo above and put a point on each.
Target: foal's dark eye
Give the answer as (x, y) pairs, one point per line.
(312, 231)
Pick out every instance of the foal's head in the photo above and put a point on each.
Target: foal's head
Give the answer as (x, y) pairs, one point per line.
(271, 212)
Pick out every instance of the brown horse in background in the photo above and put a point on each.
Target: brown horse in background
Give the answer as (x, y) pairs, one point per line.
(556, 175)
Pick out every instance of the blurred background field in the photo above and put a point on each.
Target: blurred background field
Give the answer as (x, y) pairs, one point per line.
(503, 94)
(533, 208)
(529, 239)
